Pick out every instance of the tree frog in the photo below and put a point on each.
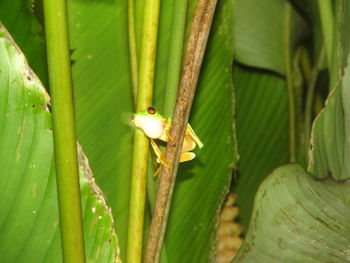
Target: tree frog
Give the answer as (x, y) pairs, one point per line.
(155, 126)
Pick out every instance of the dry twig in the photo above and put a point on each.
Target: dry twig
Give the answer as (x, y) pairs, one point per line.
(193, 60)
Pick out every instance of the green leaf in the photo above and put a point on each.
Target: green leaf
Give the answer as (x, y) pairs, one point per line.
(298, 219)
(101, 242)
(19, 19)
(262, 131)
(103, 98)
(259, 33)
(330, 143)
(29, 224)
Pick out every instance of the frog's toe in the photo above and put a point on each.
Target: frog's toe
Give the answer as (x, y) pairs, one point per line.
(187, 156)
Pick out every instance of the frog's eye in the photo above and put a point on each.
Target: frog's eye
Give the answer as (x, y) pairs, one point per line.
(151, 110)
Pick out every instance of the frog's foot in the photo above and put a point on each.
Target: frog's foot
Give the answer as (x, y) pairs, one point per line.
(169, 136)
(187, 156)
(163, 160)
(157, 172)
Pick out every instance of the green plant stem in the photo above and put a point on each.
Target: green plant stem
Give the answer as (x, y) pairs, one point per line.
(289, 80)
(310, 98)
(305, 65)
(336, 65)
(327, 21)
(67, 171)
(141, 143)
(175, 55)
(132, 48)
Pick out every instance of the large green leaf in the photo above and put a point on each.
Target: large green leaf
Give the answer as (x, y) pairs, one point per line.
(262, 131)
(298, 219)
(29, 226)
(260, 28)
(103, 99)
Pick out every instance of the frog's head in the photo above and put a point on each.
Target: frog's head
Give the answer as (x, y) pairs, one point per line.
(150, 122)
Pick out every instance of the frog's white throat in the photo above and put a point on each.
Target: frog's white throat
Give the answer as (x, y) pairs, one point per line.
(151, 126)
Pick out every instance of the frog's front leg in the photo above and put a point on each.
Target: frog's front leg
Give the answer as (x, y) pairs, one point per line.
(167, 132)
(159, 169)
(160, 155)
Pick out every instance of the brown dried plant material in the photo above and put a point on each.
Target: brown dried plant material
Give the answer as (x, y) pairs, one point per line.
(229, 240)
(196, 46)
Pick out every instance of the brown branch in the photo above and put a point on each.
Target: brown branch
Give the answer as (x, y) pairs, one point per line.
(193, 60)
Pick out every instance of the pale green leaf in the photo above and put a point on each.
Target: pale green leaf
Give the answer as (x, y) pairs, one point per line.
(298, 219)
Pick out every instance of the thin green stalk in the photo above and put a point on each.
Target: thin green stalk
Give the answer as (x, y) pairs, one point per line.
(140, 155)
(335, 66)
(305, 64)
(67, 172)
(327, 21)
(310, 98)
(137, 198)
(175, 55)
(289, 79)
(139, 12)
(132, 48)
